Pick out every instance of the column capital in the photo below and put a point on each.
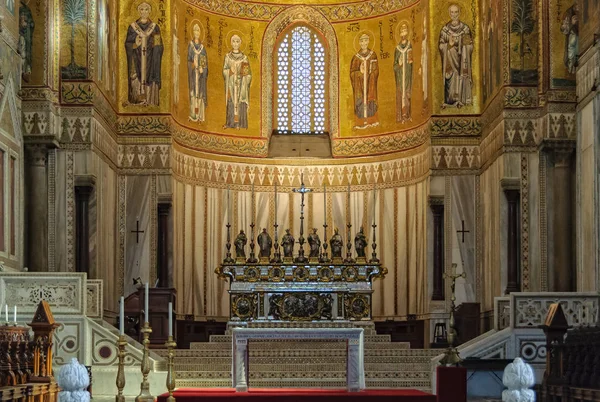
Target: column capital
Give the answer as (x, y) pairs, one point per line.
(36, 154)
(436, 200)
(84, 191)
(510, 183)
(164, 208)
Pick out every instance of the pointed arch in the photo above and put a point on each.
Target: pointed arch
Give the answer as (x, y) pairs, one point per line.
(279, 24)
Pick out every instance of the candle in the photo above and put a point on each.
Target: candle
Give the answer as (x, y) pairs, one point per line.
(6, 311)
(170, 318)
(275, 201)
(122, 315)
(146, 303)
(252, 202)
(15, 315)
(228, 205)
(325, 202)
(374, 196)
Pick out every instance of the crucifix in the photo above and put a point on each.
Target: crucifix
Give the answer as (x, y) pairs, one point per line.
(451, 356)
(463, 231)
(302, 190)
(137, 231)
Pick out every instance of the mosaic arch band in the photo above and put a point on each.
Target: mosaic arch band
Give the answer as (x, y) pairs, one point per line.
(197, 75)
(238, 76)
(456, 51)
(364, 73)
(144, 49)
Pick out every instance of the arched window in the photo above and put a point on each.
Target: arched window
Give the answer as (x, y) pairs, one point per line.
(300, 89)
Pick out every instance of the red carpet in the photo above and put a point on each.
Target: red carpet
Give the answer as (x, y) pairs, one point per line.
(298, 395)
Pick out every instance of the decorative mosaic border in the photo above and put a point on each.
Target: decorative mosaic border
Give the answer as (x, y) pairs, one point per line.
(70, 203)
(524, 222)
(382, 144)
(334, 12)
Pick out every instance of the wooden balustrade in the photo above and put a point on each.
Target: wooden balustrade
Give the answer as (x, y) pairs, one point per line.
(26, 361)
(572, 362)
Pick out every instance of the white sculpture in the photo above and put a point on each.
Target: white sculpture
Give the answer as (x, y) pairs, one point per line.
(74, 380)
(518, 378)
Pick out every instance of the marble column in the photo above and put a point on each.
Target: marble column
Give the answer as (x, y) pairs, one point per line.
(36, 208)
(240, 360)
(437, 210)
(563, 218)
(163, 245)
(82, 228)
(513, 240)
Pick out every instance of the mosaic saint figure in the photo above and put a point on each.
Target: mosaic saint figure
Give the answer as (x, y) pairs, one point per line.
(570, 28)
(240, 244)
(103, 31)
(287, 242)
(314, 242)
(423, 70)
(25, 43)
(197, 75)
(364, 72)
(456, 50)
(403, 69)
(176, 59)
(237, 76)
(144, 49)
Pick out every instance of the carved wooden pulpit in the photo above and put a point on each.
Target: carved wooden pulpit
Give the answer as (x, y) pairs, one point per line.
(158, 304)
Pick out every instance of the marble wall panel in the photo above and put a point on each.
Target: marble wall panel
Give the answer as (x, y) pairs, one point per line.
(587, 207)
(463, 247)
(60, 219)
(535, 232)
(137, 218)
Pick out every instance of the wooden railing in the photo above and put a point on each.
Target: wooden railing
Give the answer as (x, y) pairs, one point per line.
(573, 362)
(26, 361)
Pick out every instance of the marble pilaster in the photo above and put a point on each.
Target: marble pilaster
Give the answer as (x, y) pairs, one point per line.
(437, 209)
(36, 176)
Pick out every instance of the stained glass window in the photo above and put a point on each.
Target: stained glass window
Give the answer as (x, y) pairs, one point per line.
(300, 83)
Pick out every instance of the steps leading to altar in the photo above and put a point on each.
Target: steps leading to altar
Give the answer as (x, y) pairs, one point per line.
(320, 364)
(299, 395)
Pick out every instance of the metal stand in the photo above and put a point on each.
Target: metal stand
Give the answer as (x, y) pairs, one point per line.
(324, 256)
(451, 357)
(145, 395)
(302, 190)
(276, 255)
(228, 259)
(349, 259)
(171, 345)
(121, 343)
(252, 259)
(374, 259)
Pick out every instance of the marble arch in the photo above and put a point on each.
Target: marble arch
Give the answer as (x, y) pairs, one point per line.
(280, 23)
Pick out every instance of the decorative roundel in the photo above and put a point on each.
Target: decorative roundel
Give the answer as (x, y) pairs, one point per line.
(105, 352)
(359, 307)
(276, 274)
(325, 274)
(252, 274)
(349, 273)
(529, 351)
(243, 307)
(301, 274)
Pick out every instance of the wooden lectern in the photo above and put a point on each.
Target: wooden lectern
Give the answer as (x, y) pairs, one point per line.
(158, 305)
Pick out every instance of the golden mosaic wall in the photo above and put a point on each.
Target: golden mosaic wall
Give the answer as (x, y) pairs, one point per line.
(523, 26)
(455, 39)
(564, 37)
(493, 47)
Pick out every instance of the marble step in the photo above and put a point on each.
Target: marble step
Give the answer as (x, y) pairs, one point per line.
(426, 366)
(368, 338)
(380, 355)
(203, 383)
(309, 367)
(399, 383)
(212, 374)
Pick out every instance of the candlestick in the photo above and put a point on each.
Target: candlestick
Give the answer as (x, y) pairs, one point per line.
(324, 256)
(122, 315)
(275, 201)
(120, 381)
(145, 395)
(277, 255)
(374, 196)
(146, 303)
(170, 368)
(170, 319)
(15, 315)
(6, 311)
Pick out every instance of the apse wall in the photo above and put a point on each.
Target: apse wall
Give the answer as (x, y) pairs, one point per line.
(208, 193)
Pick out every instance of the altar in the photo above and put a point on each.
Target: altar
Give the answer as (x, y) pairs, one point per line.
(355, 370)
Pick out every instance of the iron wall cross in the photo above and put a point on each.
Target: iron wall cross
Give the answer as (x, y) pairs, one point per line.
(463, 231)
(137, 231)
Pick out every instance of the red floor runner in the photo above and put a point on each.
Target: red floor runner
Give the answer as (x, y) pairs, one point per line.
(298, 395)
